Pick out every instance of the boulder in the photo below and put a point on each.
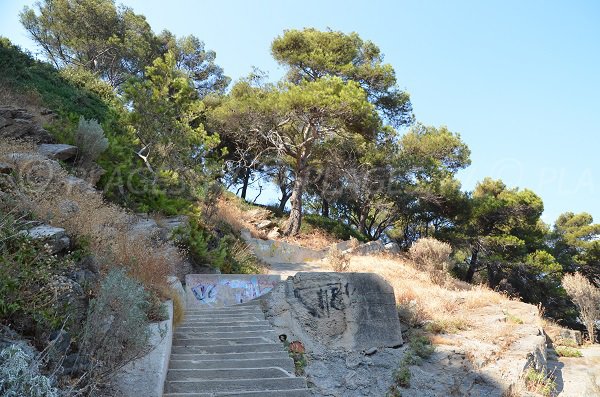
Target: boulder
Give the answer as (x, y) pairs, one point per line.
(264, 224)
(58, 151)
(392, 248)
(55, 237)
(336, 311)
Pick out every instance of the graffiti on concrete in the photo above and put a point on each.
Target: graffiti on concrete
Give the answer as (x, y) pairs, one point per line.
(205, 293)
(242, 290)
(320, 302)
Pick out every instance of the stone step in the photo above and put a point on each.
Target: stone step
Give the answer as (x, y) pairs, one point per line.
(286, 363)
(263, 393)
(223, 328)
(253, 348)
(229, 356)
(235, 385)
(222, 322)
(199, 333)
(192, 375)
(196, 341)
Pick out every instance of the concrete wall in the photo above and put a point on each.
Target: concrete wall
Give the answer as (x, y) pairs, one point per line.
(217, 290)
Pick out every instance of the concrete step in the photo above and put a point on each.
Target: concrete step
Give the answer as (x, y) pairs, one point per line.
(199, 333)
(221, 322)
(263, 393)
(254, 348)
(225, 317)
(223, 328)
(192, 375)
(235, 385)
(285, 363)
(198, 341)
(281, 354)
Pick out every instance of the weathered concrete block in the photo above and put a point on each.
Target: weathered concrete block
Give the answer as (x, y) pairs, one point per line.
(217, 290)
(348, 311)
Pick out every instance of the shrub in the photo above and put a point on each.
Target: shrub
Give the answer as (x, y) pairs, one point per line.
(336, 228)
(20, 375)
(90, 140)
(432, 256)
(28, 273)
(338, 260)
(116, 331)
(587, 299)
(565, 351)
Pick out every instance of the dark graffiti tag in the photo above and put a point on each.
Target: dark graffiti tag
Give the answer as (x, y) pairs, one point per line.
(206, 293)
(324, 300)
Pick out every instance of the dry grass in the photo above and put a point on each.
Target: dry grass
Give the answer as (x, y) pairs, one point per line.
(446, 308)
(47, 190)
(338, 260)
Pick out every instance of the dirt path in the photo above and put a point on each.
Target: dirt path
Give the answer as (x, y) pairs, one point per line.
(577, 376)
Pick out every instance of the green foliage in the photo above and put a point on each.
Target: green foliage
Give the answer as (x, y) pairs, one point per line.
(167, 117)
(20, 375)
(218, 247)
(566, 351)
(420, 348)
(334, 227)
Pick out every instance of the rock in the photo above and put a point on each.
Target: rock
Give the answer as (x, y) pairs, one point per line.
(372, 247)
(264, 224)
(274, 234)
(169, 224)
(18, 123)
(9, 337)
(6, 168)
(327, 311)
(55, 237)
(58, 151)
(85, 277)
(370, 351)
(392, 248)
(72, 183)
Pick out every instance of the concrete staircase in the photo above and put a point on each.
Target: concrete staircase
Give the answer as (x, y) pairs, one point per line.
(230, 351)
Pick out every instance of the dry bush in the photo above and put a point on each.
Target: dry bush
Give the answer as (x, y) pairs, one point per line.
(47, 190)
(587, 299)
(432, 256)
(338, 260)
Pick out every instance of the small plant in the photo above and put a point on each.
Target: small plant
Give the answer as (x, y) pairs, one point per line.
(539, 382)
(565, 351)
(511, 318)
(565, 342)
(402, 376)
(420, 347)
(90, 140)
(338, 260)
(446, 326)
(20, 375)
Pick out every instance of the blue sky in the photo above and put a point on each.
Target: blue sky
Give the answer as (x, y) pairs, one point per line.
(520, 80)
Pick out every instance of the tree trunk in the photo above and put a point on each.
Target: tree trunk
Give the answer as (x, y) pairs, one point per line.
(284, 199)
(294, 221)
(472, 265)
(246, 180)
(325, 208)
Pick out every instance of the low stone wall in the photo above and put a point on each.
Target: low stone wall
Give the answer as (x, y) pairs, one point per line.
(217, 290)
(329, 311)
(146, 376)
